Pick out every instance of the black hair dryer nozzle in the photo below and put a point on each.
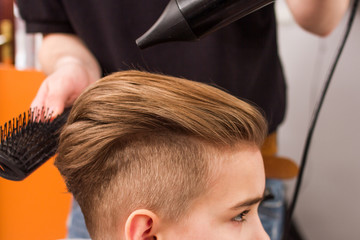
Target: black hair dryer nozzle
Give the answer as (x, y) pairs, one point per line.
(188, 20)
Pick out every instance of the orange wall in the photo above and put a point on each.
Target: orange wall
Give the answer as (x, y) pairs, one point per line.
(37, 207)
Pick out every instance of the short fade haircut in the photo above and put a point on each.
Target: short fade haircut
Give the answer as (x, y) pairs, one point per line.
(140, 140)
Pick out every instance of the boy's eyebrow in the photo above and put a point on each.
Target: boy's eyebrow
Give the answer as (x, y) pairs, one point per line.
(249, 202)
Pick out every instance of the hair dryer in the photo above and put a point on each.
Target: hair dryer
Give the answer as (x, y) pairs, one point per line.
(188, 20)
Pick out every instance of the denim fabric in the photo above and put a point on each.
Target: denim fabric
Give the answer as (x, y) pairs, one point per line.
(76, 223)
(271, 214)
(272, 211)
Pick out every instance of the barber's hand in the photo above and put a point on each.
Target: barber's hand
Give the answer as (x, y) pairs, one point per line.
(62, 87)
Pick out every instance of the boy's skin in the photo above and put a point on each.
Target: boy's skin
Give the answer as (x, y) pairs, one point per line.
(228, 211)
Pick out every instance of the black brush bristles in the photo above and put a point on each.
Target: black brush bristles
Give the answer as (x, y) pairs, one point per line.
(28, 141)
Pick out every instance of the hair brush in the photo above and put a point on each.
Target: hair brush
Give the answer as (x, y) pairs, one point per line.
(29, 141)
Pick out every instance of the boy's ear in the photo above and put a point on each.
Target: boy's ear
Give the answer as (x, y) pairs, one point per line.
(142, 224)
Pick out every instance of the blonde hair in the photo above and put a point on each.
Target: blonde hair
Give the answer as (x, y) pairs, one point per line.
(138, 140)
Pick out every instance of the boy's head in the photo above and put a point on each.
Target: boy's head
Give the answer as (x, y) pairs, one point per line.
(152, 156)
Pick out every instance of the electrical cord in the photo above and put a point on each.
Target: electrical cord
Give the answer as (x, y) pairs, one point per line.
(303, 162)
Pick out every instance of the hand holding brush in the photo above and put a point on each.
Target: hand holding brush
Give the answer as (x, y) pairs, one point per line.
(29, 141)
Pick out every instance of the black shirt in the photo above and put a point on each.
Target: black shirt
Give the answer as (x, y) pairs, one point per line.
(241, 58)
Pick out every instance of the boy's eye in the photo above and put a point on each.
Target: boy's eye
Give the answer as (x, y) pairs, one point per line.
(241, 216)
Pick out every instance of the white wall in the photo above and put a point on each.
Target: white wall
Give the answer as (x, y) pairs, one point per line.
(26, 45)
(328, 206)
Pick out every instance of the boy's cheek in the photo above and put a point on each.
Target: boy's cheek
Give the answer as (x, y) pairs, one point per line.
(204, 231)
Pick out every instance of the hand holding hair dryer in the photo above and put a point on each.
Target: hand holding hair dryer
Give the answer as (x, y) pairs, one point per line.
(189, 20)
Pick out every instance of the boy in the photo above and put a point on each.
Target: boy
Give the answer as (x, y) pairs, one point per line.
(149, 156)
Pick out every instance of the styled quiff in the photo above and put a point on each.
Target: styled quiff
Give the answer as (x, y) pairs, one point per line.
(140, 140)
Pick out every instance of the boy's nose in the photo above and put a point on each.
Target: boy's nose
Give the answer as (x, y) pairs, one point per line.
(260, 233)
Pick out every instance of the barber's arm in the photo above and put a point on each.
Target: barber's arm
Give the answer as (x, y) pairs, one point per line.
(70, 67)
(318, 16)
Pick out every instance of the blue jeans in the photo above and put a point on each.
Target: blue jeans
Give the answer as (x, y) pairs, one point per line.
(76, 223)
(271, 213)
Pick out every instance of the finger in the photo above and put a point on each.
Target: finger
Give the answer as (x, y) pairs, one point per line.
(55, 101)
(57, 111)
(39, 100)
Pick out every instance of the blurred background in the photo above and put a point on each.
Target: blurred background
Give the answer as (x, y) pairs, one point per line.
(36, 208)
(327, 206)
